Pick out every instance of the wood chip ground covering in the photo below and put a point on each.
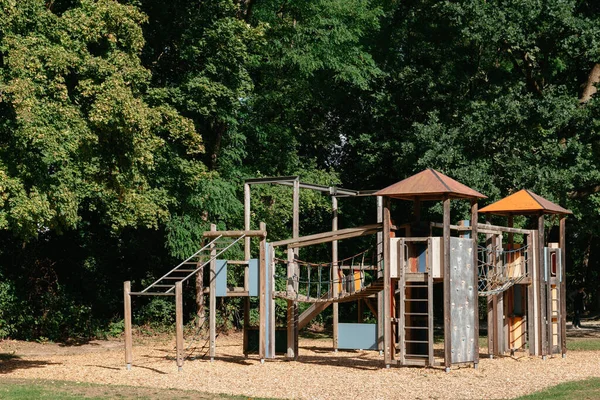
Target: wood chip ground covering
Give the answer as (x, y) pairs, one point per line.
(318, 374)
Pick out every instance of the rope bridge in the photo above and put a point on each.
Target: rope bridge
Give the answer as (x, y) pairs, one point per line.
(499, 269)
(314, 282)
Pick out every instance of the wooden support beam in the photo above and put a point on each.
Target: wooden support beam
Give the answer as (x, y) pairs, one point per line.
(326, 237)
(292, 310)
(563, 285)
(531, 303)
(543, 296)
(262, 330)
(212, 318)
(249, 233)
(388, 290)
(292, 306)
(371, 307)
(334, 272)
(247, 256)
(179, 324)
(270, 299)
(475, 262)
(380, 314)
(447, 287)
(127, 321)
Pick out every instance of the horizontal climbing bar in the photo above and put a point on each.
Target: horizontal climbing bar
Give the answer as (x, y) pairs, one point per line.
(256, 233)
(329, 236)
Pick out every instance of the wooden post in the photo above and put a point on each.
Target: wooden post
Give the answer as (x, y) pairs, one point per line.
(271, 299)
(380, 314)
(542, 288)
(335, 272)
(247, 255)
(531, 271)
(179, 324)
(292, 306)
(563, 285)
(489, 243)
(388, 288)
(127, 321)
(474, 236)
(262, 307)
(447, 288)
(213, 300)
(500, 335)
(292, 309)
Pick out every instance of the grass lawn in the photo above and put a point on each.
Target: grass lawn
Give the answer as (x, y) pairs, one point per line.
(581, 390)
(27, 389)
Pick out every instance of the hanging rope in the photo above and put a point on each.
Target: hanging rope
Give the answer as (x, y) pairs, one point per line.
(500, 269)
(307, 285)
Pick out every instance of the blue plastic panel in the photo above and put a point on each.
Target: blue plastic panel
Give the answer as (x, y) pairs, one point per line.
(253, 280)
(357, 336)
(221, 278)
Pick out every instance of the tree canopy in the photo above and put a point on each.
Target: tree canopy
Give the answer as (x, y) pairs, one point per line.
(126, 127)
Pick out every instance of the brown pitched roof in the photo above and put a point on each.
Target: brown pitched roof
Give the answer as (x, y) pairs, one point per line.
(524, 202)
(429, 185)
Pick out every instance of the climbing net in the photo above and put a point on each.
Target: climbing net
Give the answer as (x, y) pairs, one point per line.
(499, 269)
(315, 281)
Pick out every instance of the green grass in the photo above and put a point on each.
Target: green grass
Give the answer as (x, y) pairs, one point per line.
(26, 389)
(587, 389)
(583, 344)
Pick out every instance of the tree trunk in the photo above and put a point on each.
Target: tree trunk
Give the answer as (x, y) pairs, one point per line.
(589, 89)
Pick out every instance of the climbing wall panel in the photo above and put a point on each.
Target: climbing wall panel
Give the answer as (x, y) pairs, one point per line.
(462, 300)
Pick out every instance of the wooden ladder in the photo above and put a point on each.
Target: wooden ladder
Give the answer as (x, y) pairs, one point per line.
(415, 325)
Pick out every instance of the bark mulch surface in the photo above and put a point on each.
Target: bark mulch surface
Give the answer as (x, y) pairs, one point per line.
(318, 374)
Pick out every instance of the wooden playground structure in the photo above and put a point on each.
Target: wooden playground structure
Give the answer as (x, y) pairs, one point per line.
(411, 267)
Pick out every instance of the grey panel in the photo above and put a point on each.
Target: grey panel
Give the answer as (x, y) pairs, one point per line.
(357, 336)
(221, 278)
(253, 280)
(462, 300)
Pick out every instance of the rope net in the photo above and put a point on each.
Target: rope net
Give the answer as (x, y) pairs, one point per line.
(315, 282)
(500, 269)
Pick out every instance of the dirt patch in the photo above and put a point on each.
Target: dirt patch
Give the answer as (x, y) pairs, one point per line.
(318, 374)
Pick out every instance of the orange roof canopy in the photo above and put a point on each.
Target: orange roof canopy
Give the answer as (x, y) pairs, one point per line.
(429, 185)
(524, 202)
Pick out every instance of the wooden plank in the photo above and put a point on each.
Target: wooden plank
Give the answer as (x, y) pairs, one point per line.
(249, 233)
(325, 237)
(311, 312)
(179, 324)
(388, 293)
(212, 317)
(127, 322)
(542, 289)
(563, 285)
(475, 238)
(447, 287)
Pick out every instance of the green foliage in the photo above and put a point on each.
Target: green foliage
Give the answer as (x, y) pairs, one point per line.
(127, 128)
